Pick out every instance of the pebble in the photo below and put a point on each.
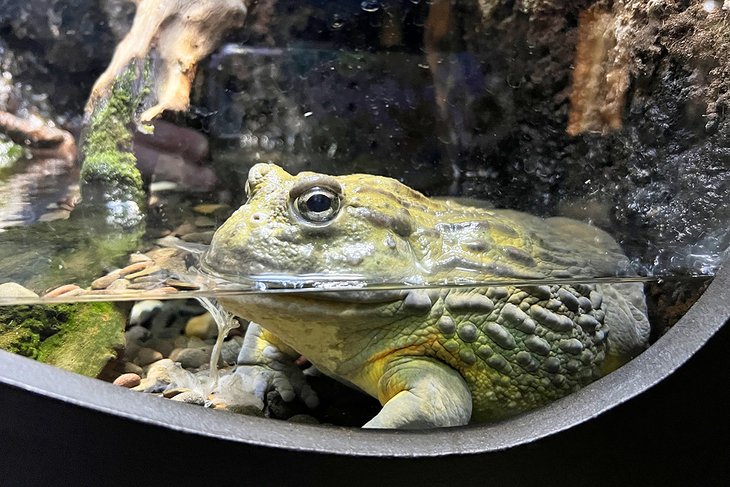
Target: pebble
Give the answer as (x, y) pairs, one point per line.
(230, 350)
(171, 392)
(15, 290)
(131, 269)
(196, 342)
(118, 285)
(191, 358)
(184, 229)
(204, 222)
(146, 356)
(158, 376)
(128, 380)
(132, 368)
(138, 257)
(190, 397)
(165, 347)
(202, 326)
(303, 419)
(181, 285)
(143, 311)
(137, 334)
(64, 290)
(209, 208)
(232, 395)
(104, 281)
(198, 237)
(55, 215)
(148, 270)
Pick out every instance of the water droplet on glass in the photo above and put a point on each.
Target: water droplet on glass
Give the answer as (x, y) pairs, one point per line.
(370, 5)
(337, 23)
(711, 5)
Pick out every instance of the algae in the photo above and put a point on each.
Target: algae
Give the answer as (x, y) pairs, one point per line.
(80, 338)
(10, 153)
(109, 170)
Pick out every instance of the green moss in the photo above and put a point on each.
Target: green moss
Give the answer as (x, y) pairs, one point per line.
(10, 152)
(81, 338)
(109, 170)
(23, 328)
(87, 341)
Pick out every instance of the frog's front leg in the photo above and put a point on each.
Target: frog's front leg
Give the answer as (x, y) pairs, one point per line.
(266, 363)
(419, 392)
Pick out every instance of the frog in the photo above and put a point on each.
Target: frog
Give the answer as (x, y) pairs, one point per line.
(497, 312)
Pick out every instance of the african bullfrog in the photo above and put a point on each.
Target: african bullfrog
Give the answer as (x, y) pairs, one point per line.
(433, 356)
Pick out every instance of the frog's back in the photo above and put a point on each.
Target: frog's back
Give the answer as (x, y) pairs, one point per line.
(519, 347)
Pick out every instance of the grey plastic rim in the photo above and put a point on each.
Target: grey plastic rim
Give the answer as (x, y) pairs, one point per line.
(700, 323)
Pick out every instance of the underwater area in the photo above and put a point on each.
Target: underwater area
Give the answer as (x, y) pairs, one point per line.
(509, 198)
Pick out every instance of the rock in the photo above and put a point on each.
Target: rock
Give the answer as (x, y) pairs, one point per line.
(132, 368)
(118, 285)
(138, 257)
(11, 290)
(184, 229)
(230, 350)
(190, 397)
(105, 281)
(165, 347)
(232, 395)
(303, 419)
(181, 285)
(55, 215)
(65, 290)
(143, 311)
(92, 335)
(146, 356)
(137, 334)
(198, 237)
(191, 358)
(159, 377)
(195, 342)
(211, 208)
(127, 380)
(181, 342)
(171, 392)
(202, 326)
(204, 222)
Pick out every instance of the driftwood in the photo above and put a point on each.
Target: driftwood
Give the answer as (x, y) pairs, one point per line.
(181, 33)
(43, 140)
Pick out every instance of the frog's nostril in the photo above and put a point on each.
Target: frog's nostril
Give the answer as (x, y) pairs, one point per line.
(258, 171)
(257, 217)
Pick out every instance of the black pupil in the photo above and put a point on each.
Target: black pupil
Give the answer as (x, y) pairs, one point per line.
(319, 202)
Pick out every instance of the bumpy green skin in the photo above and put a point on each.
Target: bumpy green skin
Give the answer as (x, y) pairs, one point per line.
(438, 356)
(81, 338)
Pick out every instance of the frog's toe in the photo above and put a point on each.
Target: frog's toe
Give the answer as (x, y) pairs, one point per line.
(287, 380)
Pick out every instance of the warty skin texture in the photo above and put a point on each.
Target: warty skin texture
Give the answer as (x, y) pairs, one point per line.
(438, 356)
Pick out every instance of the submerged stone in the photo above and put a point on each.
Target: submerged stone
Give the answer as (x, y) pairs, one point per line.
(80, 338)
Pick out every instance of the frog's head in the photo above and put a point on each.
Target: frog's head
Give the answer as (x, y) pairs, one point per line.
(355, 225)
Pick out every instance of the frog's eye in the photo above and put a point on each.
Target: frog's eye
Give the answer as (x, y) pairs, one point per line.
(317, 205)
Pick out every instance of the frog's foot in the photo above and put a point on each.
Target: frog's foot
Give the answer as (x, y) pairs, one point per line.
(421, 393)
(263, 367)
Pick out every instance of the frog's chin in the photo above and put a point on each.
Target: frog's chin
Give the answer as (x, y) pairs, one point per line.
(320, 306)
